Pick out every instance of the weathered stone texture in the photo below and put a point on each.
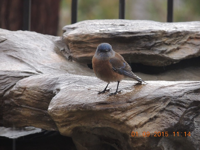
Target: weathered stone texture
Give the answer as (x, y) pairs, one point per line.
(39, 87)
(147, 42)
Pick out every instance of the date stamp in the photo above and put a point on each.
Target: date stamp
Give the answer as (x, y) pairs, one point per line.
(160, 134)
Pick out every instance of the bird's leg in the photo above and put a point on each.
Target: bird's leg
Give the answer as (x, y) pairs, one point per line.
(116, 90)
(105, 90)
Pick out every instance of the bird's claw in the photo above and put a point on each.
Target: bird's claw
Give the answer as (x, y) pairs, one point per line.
(114, 93)
(101, 92)
(144, 82)
(140, 83)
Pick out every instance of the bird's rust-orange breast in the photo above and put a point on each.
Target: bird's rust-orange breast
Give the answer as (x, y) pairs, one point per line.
(104, 71)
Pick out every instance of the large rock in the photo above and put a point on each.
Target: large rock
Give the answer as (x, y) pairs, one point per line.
(34, 53)
(164, 107)
(146, 42)
(23, 54)
(99, 121)
(40, 88)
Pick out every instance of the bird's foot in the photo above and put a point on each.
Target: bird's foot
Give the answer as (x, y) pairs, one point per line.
(139, 83)
(104, 91)
(114, 93)
(144, 82)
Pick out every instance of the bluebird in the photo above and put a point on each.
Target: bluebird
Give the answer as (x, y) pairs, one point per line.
(110, 66)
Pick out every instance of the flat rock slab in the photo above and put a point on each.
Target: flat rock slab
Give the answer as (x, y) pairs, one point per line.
(13, 133)
(24, 54)
(146, 42)
(34, 53)
(153, 107)
(70, 104)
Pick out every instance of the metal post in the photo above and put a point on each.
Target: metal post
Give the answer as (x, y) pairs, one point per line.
(74, 11)
(121, 9)
(14, 144)
(169, 10)
(26, 15)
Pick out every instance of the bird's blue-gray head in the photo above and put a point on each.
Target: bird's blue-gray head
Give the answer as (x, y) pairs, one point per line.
(104, 51)
(104, 47)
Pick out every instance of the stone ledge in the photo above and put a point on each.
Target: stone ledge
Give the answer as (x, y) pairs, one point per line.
(146, 42)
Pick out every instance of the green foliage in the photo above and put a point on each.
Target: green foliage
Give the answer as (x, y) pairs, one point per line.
(184, 10)
(98, 9)
(187, 10)
(157, 10)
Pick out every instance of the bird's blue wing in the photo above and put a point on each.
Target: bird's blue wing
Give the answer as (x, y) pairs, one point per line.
(120, 66)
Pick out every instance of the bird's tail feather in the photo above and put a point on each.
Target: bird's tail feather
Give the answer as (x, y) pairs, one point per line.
(132, 75)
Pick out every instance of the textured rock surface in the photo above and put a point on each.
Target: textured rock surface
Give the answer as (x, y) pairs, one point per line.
(13, 133)
(156, 106)
(77, 110)
(147, 42)
(34, 53)
(40, 88)
(23, 54)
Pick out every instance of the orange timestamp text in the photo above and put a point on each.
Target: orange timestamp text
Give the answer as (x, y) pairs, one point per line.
(160, 134)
